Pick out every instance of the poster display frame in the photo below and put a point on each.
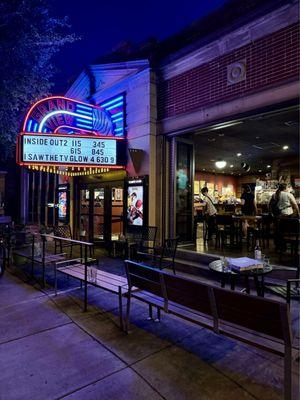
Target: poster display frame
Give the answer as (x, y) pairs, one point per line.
(130, 183)
(61, 189)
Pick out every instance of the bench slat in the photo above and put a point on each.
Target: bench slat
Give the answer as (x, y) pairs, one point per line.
(254, 313)
(105, 276)
(104, 280)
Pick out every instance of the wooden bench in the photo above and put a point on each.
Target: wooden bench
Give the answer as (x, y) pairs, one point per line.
(257, 321)
(78, 269)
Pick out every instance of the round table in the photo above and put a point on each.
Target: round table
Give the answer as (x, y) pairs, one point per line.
(225, 272)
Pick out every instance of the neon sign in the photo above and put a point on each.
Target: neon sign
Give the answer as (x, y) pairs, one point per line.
(62, 134)
(61, 114)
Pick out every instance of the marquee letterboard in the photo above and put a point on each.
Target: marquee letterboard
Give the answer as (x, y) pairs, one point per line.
(66, 150)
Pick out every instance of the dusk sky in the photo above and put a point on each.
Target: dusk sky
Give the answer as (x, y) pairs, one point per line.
(104, 24)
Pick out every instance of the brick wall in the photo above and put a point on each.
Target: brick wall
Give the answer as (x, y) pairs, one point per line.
(271, 60)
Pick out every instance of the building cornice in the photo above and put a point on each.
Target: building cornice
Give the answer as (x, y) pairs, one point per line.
(252, 31)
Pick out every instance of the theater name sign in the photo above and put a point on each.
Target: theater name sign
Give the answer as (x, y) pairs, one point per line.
(66, 136)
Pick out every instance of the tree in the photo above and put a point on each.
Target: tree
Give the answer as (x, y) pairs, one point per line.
(29, 38)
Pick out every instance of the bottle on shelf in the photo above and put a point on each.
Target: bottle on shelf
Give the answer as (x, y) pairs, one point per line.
(257, 251)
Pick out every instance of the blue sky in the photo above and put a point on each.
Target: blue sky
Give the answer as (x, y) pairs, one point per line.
(104, 24)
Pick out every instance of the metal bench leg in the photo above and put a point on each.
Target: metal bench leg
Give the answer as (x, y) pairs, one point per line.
(85, 285)
(150, 317)
(43, 278)
(55, 280)
(120, 308)
(257, 286)
(247, 284)
(287, 373)
(232, 282)
(128, 310)
(158, 315)
(223, 281)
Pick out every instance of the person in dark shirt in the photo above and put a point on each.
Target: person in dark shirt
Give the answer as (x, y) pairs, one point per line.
(248, 207)
(248, 202)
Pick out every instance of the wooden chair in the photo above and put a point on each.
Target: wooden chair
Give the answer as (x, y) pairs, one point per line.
(288, 234)
(225, 229)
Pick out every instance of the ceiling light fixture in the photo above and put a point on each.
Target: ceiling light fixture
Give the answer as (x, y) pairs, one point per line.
(245, 166)
(231, 166)
(285, 147)
(220, 164)
(239, 154)
(268, 166)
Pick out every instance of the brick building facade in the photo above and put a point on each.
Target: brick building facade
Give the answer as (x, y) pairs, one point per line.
(270, 60)
(234, 73)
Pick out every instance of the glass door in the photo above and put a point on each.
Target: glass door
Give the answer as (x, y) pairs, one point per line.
(116, 212)
(184, 191)
(99, 214)
(84, 214)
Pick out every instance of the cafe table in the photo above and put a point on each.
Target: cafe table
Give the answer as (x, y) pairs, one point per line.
(226, 272)
(247, 217)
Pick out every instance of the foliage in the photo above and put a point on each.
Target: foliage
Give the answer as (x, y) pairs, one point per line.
(29, 38)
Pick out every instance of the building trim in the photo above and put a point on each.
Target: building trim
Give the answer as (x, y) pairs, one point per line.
(257, 29)
(175, 125)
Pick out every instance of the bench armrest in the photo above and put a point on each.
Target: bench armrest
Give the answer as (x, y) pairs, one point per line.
(59, 263)
(288, 288)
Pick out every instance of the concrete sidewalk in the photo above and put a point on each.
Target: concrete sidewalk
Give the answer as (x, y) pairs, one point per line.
(50, 349)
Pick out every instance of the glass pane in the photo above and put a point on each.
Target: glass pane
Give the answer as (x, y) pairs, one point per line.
(98, 214)
(184, 191)
(116, 212)
(84, 213)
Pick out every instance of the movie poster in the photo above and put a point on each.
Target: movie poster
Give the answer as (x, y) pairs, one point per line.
(62, 205)
(135, 205)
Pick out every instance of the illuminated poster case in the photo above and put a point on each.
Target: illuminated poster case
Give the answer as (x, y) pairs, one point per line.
(136, 205)
(63, 203)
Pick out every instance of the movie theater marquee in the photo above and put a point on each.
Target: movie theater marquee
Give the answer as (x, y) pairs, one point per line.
(68, 150)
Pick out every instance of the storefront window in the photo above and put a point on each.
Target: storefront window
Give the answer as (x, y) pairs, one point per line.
(184, 193)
